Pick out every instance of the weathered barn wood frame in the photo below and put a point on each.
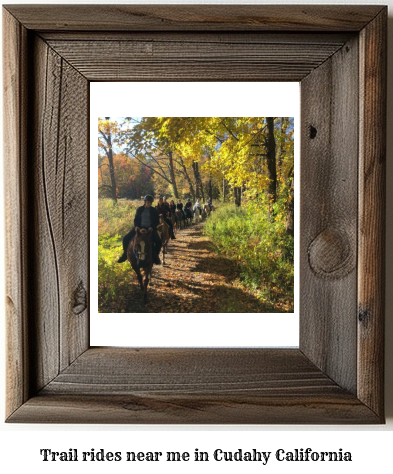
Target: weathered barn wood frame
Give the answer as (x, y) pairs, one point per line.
(338, 53)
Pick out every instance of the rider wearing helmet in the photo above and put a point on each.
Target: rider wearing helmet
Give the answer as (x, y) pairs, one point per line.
(172, 207)
(188, 208)
(146, 217)
(197, 205)
(165, 212)
(179, 207)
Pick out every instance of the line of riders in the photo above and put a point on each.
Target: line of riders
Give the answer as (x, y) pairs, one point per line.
(148, 217)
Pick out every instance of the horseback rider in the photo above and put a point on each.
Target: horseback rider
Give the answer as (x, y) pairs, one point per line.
(210, 203)
(179, 206)
(188, 208)
(172, 207)
(163, 211)
(197, 205)
(146, 217)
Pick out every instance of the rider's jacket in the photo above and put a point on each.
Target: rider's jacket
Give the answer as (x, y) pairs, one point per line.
(163, 209)
(154, 217)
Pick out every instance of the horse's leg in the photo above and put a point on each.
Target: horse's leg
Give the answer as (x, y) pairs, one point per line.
(138, 274)
(145, 284)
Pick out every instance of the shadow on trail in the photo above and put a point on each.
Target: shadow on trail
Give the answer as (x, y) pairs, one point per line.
(204, 245)
(200, 298)
(193, 280)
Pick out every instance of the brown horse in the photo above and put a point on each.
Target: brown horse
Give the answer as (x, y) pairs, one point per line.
(163, 232)
(207, 209)
(140, 255)
(189, 216)
(174, 224)
(180, 219)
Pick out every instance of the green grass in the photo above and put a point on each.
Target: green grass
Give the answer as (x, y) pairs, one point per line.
(261, 248)
(116, 218)
(114, 221)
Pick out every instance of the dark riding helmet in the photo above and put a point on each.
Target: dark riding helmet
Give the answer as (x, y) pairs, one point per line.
(148, 198)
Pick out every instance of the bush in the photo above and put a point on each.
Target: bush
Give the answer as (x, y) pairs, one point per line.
(260, 246)
(114, 221)
(116, 218)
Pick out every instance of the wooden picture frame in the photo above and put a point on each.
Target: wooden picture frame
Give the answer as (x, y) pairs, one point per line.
(338, 54)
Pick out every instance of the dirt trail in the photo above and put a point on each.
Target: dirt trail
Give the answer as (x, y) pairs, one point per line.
(194, 279)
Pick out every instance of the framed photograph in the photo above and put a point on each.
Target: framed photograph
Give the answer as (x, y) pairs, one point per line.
(247, 266)
(52, 54)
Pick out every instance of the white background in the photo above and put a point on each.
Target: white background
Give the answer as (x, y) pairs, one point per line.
(370, 445)
(197, 99)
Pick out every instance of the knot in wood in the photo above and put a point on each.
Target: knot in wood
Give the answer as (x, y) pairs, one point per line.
(80, 299)
(313, 132)
(330, 254)
(363, 316)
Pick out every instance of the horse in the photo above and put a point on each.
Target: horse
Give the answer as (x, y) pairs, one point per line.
(189, 216)
(197, 214)
(174, 222)
(180, 219)
(140, 255)
(207, 210)
(163, 232)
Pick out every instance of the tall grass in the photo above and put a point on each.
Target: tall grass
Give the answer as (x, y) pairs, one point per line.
(261, 248)
(116, 218)
(114, 221)
(259, 245)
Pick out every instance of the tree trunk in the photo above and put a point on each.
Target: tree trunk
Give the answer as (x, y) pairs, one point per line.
(198, 181)
(237, 191)
(172, 175)
(109, 154)
(289, 227)
(112, 174)
(271, 163)
(187, 176)
(271, 159)
(280, 152)
(210, 182)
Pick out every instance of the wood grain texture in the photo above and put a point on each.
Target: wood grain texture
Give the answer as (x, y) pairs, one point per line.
(200, 37)
(52, 375)
(185, 59)
(371, 261)
(60, 215)
(195, 17)
(328, 248)
(67, 200)
(221, 409)
(14, 149)
(201, 386)
(186, 371)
